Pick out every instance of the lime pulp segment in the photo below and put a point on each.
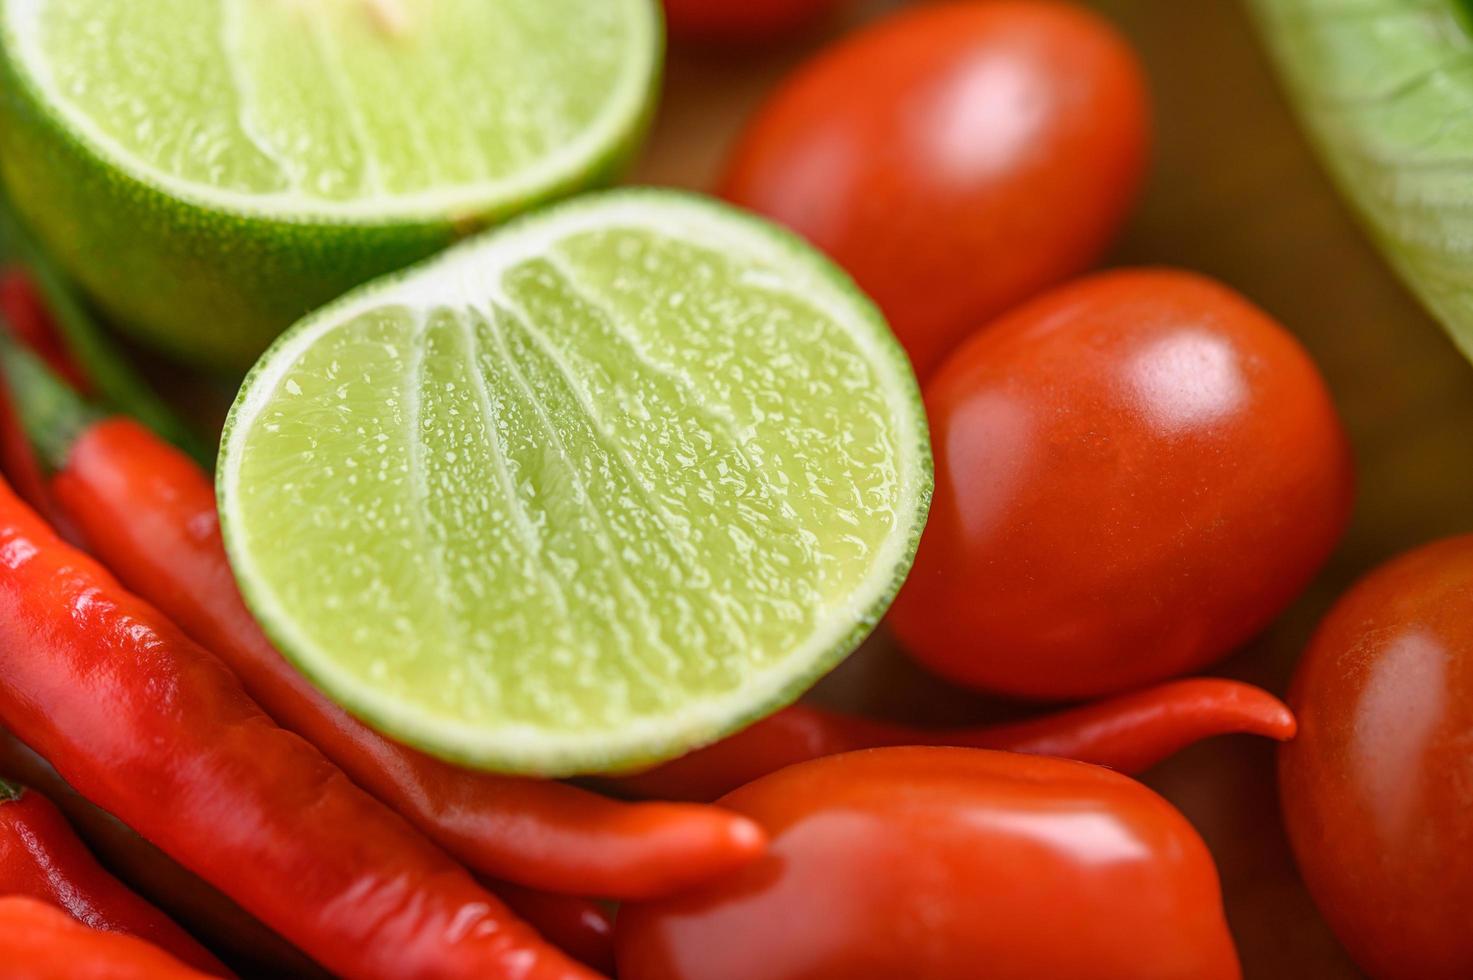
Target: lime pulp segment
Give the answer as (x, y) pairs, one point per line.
(341, 108)
(583, 493)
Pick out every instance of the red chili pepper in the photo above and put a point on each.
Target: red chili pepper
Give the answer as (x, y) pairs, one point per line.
(24, 309)
(148, 512)
(152, 728)
(40, 942)
(580, 927)
(65, 329)
(41, 857)
(195, 903)
(1131, 733)
(23, 317)
(17, 457)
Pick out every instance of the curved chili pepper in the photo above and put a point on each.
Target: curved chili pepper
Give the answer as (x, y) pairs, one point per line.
(152, 728)
(148, 512)
(255, 949)
(580, 927)
(41, 857)
(40, 942)
(1131, 733)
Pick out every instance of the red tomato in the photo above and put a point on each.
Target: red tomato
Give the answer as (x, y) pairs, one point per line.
(743, 20)
(1134, 474)
(955, 158)
(1378, 787)
(937, 864)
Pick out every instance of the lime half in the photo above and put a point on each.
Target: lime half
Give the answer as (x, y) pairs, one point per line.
(583, 493)
(213, 169)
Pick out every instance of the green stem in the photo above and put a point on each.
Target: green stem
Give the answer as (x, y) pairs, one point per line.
(9, 792)
(51, 413)
(104, 365)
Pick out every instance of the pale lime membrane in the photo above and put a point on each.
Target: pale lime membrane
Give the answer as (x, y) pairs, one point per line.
(342, 107)
(583, 493)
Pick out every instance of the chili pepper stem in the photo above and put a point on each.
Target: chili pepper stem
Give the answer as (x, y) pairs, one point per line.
(9, 792)
(103, 365)
(51, 414)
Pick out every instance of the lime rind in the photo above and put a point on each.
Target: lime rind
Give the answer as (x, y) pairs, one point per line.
(459, 277)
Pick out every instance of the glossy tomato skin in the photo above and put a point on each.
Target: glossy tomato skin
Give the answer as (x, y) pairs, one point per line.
(1134, 474)
(946, 864)
(955, 158)
(743, 21)
(1377, 789)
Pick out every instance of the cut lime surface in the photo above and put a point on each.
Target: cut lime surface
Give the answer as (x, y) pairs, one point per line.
(212, 169)
(584, 492)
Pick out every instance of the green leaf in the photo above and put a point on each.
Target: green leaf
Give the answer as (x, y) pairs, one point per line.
(1385, 88)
